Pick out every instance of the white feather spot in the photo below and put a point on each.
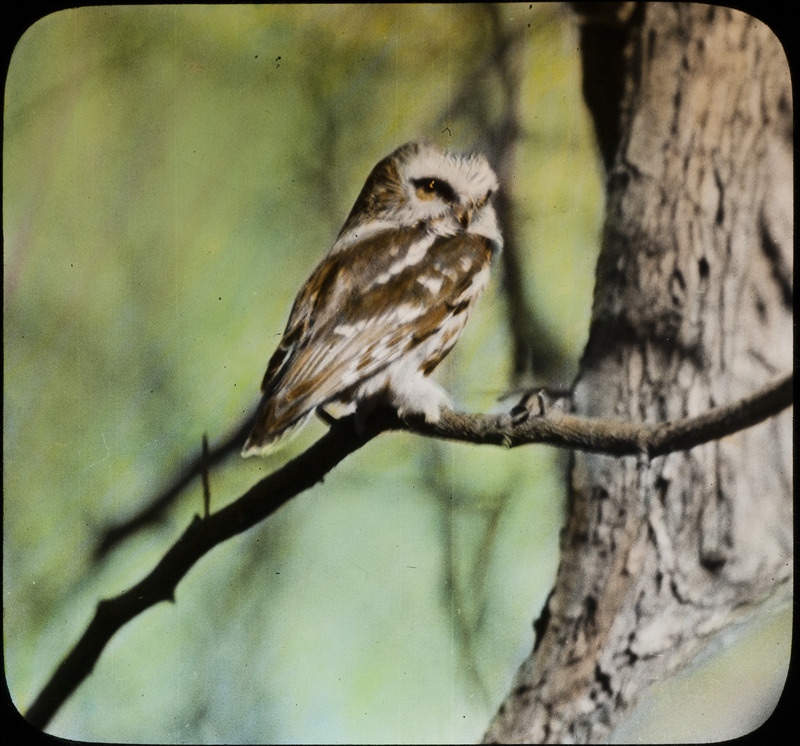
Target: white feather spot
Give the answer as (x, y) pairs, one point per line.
(347, 330)
(406, 312)
(415, 254)
(434, 284)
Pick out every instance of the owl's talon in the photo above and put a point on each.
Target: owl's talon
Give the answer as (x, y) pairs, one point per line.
(519, 414)
(522, 410)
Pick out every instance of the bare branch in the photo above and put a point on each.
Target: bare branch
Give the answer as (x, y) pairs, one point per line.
(202, 534)
(552, 427)
(557, 428)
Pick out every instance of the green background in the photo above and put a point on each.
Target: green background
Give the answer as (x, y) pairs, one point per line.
(171, 176)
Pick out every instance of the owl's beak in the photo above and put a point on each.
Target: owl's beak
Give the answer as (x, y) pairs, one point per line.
(464, 215)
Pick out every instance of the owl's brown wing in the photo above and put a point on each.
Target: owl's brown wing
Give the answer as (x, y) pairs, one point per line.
(364, 308)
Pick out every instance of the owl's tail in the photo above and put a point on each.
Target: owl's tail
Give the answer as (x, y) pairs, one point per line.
(269, 433)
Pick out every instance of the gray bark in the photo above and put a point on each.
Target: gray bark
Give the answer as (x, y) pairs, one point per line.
(692, 309)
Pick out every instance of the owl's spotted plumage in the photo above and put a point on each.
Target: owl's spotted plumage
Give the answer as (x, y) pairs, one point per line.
(390, 298)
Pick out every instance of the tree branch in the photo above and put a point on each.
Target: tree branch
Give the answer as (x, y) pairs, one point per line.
(202, 534)
(551, 426)
(614, 438)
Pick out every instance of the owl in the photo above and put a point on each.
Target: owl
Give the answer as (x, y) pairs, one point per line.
(389, 299)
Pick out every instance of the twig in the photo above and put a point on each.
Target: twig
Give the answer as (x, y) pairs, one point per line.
(552, 427)
(154, 508)
(614, 438)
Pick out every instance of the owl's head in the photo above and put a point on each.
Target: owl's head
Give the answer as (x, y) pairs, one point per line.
(417, 184)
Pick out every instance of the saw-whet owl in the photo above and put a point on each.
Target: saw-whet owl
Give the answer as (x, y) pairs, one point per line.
(390, 298)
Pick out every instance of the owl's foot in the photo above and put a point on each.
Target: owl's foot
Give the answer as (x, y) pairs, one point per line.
(535, 403)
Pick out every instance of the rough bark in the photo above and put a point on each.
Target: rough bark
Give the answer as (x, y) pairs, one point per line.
(692, 308)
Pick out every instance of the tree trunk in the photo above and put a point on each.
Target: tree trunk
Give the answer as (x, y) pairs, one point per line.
(692, 309)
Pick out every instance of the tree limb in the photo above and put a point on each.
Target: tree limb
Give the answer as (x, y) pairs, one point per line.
(614, 438)
(552, 427)
(202, 534)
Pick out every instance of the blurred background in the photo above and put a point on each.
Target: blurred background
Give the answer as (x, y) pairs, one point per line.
(171, 176)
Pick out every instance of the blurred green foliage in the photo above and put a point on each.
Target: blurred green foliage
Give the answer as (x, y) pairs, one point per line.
(171, 176)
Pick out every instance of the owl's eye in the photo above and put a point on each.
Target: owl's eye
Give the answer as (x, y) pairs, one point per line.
(430, 187)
